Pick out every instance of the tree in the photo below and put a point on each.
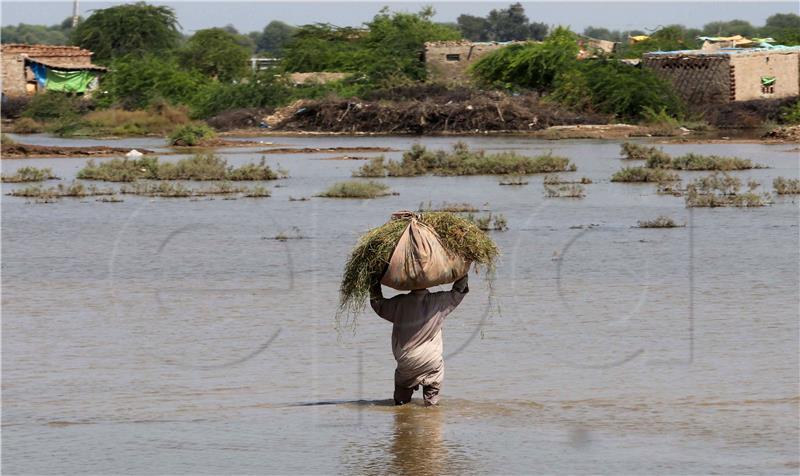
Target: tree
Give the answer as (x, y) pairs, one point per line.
(216, 53)
(730, 28)
(784, 28)
(135, 29)
(473, 28)
(395, 41)
(274, 38)
(38, 34)
(508, 24)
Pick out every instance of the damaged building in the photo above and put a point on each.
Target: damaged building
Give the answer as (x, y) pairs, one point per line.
(448, 61)
(28, 69)
(729, 74)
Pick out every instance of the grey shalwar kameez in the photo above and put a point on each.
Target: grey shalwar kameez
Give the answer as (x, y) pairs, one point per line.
(417, 319)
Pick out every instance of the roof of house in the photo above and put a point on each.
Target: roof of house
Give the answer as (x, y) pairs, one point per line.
(44, 50)
(727, 51)
(68, 67)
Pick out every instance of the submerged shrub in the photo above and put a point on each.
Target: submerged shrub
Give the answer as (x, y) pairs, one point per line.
(644, 174)
(192, 134)
(462, 161)
(709, 162)
(784, 186)
(197, 167)
(357, 189)
(29, 174)
(27, 125)
(723, 190)
(658, 222)
(564, 191)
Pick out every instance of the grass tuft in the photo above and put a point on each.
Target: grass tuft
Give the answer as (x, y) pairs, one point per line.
(29, 174)
(357, 189)
(659, 222)
(199, 167)
(461, 161)
(572, 190)
(723, 190)
(784, 186)
(192, 134)
(644, 174)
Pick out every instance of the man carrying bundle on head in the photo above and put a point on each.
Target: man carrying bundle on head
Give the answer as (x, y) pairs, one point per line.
(417, 319)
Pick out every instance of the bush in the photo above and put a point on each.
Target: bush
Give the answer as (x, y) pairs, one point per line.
(161, 119)
(28, 174)
(707, 162)
(462, 161)
(790, 114)
(14, 106)
(723, 190)
(191, 134)
(611, 87)
(26, 125)
(6, 140)
(50, 106)
(784, 186)
(356, 189)
(632, 151)
(198, 167)
(643, 174)
(531, 65)
(658, 222)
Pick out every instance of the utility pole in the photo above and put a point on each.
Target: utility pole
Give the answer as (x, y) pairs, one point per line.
(74, 13)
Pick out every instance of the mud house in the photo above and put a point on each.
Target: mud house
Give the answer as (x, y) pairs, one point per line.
(729, 74)
(448, 61)
(28, 69)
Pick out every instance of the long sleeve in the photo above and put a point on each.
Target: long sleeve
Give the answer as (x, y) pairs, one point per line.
(383, 307)
(447, 301)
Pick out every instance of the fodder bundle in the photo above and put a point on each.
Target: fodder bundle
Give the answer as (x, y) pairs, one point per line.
(371, 256)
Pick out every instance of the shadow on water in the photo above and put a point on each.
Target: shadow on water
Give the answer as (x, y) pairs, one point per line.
(381, 403)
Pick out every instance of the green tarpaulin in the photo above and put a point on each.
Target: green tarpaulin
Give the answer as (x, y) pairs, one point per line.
(68, 81)
(767, 80)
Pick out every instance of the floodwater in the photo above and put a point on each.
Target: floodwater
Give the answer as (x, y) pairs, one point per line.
(174, 336)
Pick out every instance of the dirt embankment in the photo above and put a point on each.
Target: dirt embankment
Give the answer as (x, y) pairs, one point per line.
(322, 150)
(17, 151)
(453, 111)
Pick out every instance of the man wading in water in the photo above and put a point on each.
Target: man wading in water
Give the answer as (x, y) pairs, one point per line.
(417, 319)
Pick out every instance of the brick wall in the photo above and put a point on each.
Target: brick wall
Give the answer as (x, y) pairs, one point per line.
(749, 68)
(16, 76)
(698, 80)
(448, 61)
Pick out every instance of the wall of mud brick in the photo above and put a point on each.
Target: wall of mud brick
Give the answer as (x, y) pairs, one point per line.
(698, 80)
(448, 62)
(747, 71)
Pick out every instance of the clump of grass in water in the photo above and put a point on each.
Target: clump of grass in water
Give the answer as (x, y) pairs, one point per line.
(631, 151)
(723, 190)
(514, 180)
(659, 222)
(644, 174)
(75, 189)
(557, 180)
(198, 167)
(356, 189)
(29, 174)
(489, 222)
(784, 186)
(572, 190)
(6, 140)
(462, 161)
(368, 261)
(257, 192)
(448, 207)
(191, 135)
(702, 162)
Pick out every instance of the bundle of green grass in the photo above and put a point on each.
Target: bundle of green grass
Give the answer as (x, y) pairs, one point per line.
(370, 258)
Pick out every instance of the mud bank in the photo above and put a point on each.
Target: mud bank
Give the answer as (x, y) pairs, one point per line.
(19, 151)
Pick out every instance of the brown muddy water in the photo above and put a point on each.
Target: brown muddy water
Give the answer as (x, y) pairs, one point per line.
(173, 336)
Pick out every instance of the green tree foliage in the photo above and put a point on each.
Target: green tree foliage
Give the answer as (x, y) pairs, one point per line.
(134, 82)
(473, 28)
(323, 47)
(530, 65)
(505, 24)
(216, 53)
(260, 90)
(126, 29)
(669, 38)
(610, 35)
(389, 47)
(611, 87)
(274, 38)
(784, 28)
(38, 34)
(394, 42)
(730, 28)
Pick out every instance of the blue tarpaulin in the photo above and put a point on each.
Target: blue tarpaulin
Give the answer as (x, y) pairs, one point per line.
(40, 72)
